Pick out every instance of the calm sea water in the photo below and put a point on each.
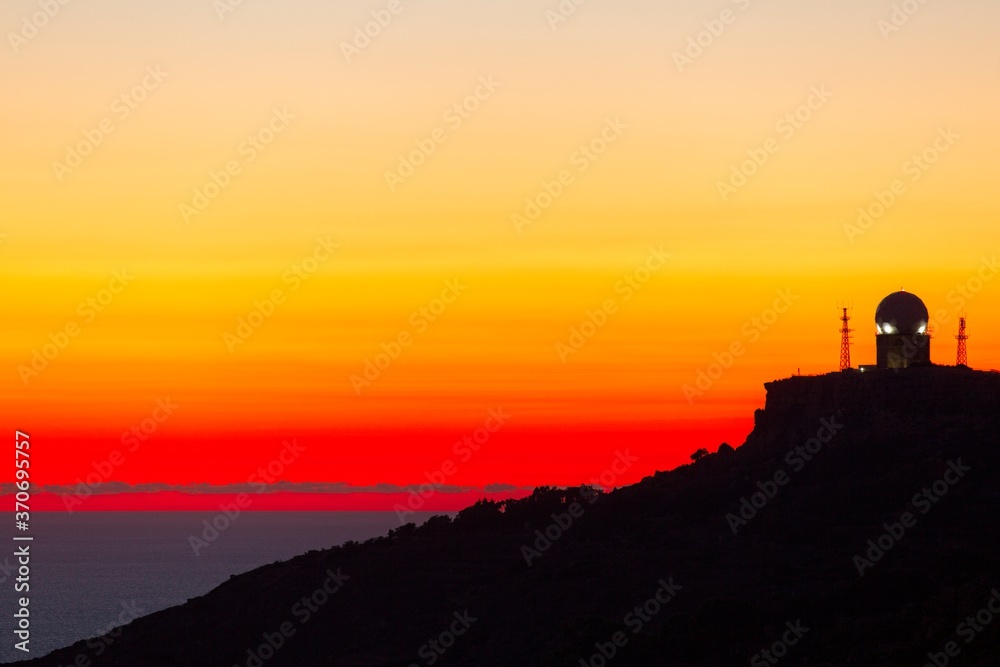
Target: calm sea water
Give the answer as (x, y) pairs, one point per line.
(89, 569)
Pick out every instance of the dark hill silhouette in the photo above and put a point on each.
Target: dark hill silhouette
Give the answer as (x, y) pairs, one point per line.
(783, 577)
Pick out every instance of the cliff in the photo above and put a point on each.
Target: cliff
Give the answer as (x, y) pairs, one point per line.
(875, 401)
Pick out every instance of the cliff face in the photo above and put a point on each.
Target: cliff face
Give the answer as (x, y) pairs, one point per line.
(877, 404)
(859, 520)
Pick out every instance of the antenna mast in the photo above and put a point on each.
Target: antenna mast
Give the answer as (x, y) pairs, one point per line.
(845, 341)
(963, 352)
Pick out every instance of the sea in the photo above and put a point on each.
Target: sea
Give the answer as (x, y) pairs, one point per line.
(91, 570)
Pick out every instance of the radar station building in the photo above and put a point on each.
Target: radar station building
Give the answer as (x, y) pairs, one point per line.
(902, 340)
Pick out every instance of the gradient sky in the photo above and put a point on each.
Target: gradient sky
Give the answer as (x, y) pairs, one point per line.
(788, 229)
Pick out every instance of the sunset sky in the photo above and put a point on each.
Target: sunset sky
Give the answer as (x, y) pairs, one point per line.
(172, 168)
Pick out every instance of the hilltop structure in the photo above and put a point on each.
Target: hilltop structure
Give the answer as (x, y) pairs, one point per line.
(902, 340)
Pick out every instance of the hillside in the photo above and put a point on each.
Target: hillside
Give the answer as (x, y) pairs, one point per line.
(762, 548)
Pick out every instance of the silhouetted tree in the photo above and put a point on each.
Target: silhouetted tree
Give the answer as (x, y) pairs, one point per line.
(701, 453)
(436, 524)
(485, 513)
(405, 530)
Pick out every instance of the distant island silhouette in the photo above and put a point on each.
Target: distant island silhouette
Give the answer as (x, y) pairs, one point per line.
(855, 526)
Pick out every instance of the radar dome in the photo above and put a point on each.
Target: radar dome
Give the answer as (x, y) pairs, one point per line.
(901, 313)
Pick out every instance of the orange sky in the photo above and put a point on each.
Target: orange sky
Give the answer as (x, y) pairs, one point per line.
(474, 184)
